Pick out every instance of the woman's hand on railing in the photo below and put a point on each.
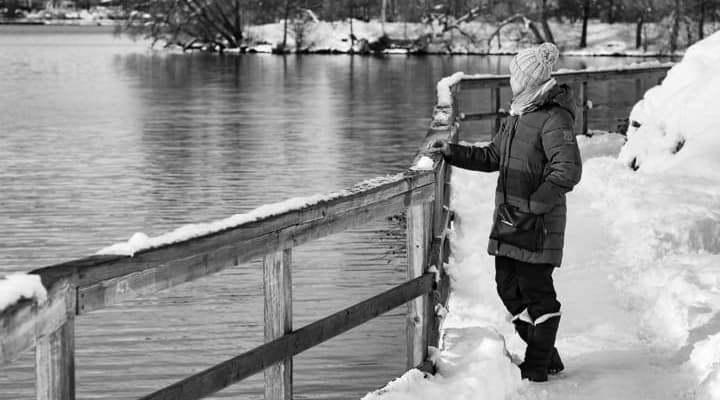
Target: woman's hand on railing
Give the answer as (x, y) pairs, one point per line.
(439, 146)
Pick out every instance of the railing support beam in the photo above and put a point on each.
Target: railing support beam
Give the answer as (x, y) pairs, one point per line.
(278, 320)
(419, 219)
(55, 352)
(495, 102)
(584, 100)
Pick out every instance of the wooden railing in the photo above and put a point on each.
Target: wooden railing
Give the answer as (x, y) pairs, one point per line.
(638, 75)
(81, 286)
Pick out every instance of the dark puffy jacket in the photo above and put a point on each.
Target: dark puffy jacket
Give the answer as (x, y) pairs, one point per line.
(539, 161)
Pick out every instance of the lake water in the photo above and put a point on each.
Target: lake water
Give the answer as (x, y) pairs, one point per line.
(101, 138)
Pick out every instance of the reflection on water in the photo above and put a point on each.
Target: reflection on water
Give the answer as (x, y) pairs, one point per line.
(101, 138)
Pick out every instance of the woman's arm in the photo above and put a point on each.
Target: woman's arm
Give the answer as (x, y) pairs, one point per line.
(486, 158)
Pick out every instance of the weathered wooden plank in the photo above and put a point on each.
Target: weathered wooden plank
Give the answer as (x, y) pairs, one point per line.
(495, 104)
(419, 219)
(489, 116)
(455, 93)
(569, 77)
(439, 208)
(277, 281)
(22, 324)
(50, 275)
(438, 254)
(152, 275)
(99, 268)
(55, 364)
(55, 352)
(358, 197)
(233, 370)
(432, 316)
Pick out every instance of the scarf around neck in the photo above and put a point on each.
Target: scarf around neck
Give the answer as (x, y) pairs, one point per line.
(528, 99)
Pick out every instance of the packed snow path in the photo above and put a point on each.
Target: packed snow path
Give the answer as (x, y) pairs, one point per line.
(600, 336)
(619, 335)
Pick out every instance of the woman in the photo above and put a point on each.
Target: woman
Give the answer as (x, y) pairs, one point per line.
(537, 156)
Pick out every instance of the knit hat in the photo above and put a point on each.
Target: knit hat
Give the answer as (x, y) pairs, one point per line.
(532, 67)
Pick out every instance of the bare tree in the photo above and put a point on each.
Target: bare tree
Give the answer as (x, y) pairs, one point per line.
(529, 24)
(585, 17)
(640, 11)
(544, 22)
(675, 30)
(286, 7)
(214, 23)
(12, 6)
(611, 11)
(705, 9)
(701, 20)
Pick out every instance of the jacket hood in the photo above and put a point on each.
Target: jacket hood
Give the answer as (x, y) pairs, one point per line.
(562, 96)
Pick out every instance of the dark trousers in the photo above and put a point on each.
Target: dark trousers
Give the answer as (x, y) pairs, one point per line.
(523, 285)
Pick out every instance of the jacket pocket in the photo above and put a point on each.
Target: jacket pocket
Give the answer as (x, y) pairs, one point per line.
(520, 229)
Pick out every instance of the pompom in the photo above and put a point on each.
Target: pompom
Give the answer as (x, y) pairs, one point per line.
(547, 54)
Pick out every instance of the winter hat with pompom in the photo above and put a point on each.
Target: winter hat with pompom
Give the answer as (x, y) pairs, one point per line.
(532, 67)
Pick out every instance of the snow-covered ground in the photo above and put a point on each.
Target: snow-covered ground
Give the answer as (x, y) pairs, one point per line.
(640, 283)
(603, 38)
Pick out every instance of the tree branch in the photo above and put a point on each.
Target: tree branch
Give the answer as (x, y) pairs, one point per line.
(529, 24)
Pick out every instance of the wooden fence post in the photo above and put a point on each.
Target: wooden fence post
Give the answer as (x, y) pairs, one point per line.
(55, 353)
(419, 218)
(439, 240)
(277, 281)
(455, 106)
(495, 104)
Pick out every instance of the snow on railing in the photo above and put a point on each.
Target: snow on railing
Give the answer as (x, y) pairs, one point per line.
(16, 287)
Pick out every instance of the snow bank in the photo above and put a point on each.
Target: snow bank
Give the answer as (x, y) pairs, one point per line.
(19, 286)
(680, 116)
(324, 36)
(666, 214)
(140, 241)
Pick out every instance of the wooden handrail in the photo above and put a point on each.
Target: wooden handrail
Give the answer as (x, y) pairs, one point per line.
(84, 285)
(583, 78)
(104, 280)
(592, 75)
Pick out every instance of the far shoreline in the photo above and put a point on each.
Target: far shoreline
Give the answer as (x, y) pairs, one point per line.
(73, 26)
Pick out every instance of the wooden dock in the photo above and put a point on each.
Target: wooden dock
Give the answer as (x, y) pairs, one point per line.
(81, 286)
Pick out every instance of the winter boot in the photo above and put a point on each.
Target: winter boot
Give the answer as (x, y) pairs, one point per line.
(522, 327)
(541, 342)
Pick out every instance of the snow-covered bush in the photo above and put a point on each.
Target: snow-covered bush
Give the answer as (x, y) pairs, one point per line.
(680, 116)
